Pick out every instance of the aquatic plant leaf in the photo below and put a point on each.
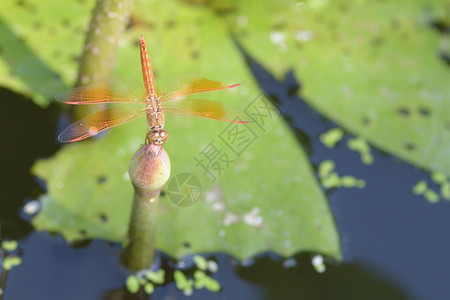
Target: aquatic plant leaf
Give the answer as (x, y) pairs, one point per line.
(260, 195)
(377, 68)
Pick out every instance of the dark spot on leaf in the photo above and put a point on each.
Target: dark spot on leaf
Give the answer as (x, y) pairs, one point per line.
(395, 24)
(103, 217)
(403, 111)
(163, 193)
(37, 25)
(57, 76)
(83, 232)
(102, 179)
(440, 25)
(377, 41)
(445, 57)
(279, 26)
(424, 111)
(186, 245)
(81, 243)
(76, 58)
(20, 3)
(66, 22)
(171, 24)
(366, 121)
(195, 54)
(409, 146)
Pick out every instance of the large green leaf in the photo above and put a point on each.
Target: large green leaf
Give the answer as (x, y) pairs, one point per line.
(40, 41)
(266, 198)
(371, 66)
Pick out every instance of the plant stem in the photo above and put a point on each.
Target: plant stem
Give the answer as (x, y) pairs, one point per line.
(109, 19)
(149, 171)
(139, 253)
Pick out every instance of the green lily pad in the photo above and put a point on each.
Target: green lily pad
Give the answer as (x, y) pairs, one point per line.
(261, 195)
(39, 45)
(371, 66)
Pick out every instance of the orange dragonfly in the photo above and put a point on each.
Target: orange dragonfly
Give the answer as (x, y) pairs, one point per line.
(137, 102)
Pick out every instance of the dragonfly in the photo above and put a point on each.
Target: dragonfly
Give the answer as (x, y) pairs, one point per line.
(135, 102)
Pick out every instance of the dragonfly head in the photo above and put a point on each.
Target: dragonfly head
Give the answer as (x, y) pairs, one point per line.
(157, 137)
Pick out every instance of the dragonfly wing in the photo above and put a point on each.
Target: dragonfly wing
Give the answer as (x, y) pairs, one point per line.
(207, 109)
(109, 91)
(182, 85)
(101, 120)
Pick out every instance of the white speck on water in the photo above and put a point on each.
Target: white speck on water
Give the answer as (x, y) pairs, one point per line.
(213, 195)
(212, 266)
(287, 243)
(277, 37)
(60, 185)
(252, 218)
(32, 207)
(304, 35)
(218, 206)
(222, 233)
(300, 7)
(318, 263)
(230, 218)
(248, 262)
(290, 263)
(242, 21)
(181, 264)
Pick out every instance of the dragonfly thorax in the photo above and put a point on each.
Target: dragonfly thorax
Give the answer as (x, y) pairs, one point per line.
(155, 115)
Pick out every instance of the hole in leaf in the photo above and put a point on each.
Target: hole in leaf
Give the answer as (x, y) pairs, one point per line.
(366, 121)
(403, 111)
(103, 218)
(102, 179)
(409, 146)
(423, 111)
(195, 54)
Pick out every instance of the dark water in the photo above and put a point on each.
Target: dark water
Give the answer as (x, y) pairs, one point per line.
(395, 244)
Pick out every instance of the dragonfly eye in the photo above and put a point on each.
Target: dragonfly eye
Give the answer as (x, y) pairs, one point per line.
(158, 137)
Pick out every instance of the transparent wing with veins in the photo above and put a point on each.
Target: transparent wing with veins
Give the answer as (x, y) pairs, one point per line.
(110, 91)
(181, 85)
(209, 109)
(132, 96)
(102, 120)
(174, 91)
